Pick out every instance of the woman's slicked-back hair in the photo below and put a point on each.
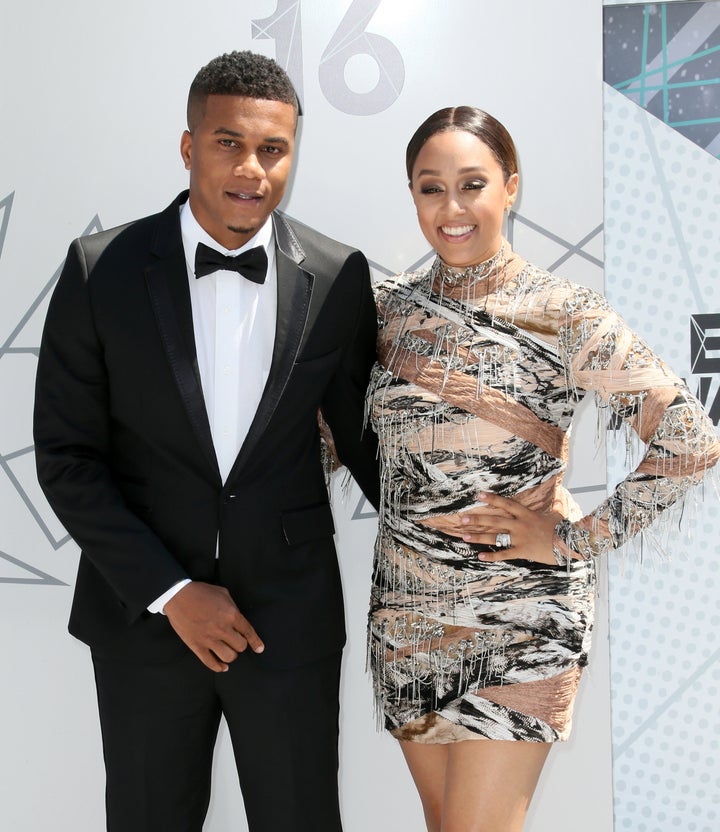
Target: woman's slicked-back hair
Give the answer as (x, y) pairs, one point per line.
(472, 120)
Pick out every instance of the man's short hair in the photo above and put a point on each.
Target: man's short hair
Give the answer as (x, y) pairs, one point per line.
(239, 73)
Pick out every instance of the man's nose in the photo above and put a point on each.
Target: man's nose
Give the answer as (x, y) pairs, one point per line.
(250, 167)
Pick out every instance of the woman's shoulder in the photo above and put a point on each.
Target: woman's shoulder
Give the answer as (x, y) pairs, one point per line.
(400, 286)
(560, 293)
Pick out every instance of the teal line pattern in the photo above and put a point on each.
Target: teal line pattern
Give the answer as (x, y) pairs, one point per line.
(643, 77)
(627, 85)
(666, 58)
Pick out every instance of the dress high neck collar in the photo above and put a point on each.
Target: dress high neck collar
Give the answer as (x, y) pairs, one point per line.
(473, 282)
(469, 275)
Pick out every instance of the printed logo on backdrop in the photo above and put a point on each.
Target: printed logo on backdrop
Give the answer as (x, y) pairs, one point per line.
(704, 381)
(350, 43)
(705, 361)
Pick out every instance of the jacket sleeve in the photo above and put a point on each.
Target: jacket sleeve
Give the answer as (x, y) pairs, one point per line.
(343, 405)
(72, 430)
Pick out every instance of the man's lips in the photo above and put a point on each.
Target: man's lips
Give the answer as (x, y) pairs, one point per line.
(244, 196)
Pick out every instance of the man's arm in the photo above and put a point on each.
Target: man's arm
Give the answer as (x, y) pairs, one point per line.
(343, 406)
(72, 436)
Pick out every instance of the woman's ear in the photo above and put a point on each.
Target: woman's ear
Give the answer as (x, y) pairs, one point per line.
(511, 188)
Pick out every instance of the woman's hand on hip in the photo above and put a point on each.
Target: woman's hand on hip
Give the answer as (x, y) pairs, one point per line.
(531, 533)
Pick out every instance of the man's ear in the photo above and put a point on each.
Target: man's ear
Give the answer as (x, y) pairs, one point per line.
(186, 148)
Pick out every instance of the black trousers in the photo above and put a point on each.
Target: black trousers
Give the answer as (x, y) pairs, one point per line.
(159, 725)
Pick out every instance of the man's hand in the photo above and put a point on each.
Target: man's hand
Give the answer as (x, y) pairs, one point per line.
(207, 620)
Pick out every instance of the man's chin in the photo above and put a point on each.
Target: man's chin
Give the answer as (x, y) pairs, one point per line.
(237, 230)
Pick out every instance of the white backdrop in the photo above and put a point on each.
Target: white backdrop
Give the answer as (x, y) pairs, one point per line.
(93, 107)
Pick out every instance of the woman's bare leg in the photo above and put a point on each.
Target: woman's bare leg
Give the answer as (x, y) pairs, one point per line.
(427, 764)
(476, 785)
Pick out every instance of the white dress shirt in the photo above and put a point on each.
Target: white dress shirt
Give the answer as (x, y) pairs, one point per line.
(234, 321)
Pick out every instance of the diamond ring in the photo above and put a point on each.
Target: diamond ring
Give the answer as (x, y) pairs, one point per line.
(503, 541)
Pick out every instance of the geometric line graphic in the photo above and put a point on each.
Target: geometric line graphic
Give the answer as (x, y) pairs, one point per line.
(56, 543)
(666, 58)
(284, 26)
(41, 578)
(5, 209)
(669, 201)
(687, 684)
(8, 350)
(363, 510)
(571, 249)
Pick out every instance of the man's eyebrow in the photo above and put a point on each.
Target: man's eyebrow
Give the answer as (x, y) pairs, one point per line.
(277, 140)
(236, 134)
(227, 131)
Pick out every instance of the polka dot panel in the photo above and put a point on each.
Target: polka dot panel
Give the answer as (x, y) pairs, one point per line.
(662, 265)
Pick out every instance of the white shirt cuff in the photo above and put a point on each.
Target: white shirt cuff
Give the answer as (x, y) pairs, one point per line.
(159, 603)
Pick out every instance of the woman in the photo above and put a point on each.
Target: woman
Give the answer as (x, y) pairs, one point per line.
(480, 620)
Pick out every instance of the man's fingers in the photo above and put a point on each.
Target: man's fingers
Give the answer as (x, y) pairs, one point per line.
(210, 660)
(207, 620)
(250, 638)
(224, 652)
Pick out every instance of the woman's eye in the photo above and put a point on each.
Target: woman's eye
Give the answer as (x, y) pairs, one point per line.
(430, 189)
(475, 185)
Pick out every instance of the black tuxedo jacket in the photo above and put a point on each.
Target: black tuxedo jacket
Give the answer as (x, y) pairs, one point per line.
(125, 455)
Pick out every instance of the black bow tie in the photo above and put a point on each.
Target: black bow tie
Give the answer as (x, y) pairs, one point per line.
(251, 264)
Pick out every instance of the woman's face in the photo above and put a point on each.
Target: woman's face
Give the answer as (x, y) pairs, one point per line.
(460, 195)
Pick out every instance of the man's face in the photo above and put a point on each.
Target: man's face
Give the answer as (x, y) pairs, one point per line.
(239, 156)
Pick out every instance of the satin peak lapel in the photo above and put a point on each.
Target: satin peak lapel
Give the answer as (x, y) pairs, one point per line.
(170, 297)
(294, 288)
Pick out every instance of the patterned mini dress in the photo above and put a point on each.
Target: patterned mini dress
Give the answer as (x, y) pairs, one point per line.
(478, 378)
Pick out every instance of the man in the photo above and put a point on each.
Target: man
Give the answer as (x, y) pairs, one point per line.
(177, 440)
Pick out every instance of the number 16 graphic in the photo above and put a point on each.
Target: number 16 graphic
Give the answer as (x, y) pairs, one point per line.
(351, 38)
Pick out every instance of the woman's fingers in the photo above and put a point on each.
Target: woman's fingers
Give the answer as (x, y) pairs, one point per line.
(520, 532)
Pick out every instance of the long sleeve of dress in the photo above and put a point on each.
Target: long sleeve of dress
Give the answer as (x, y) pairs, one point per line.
(634, 385)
